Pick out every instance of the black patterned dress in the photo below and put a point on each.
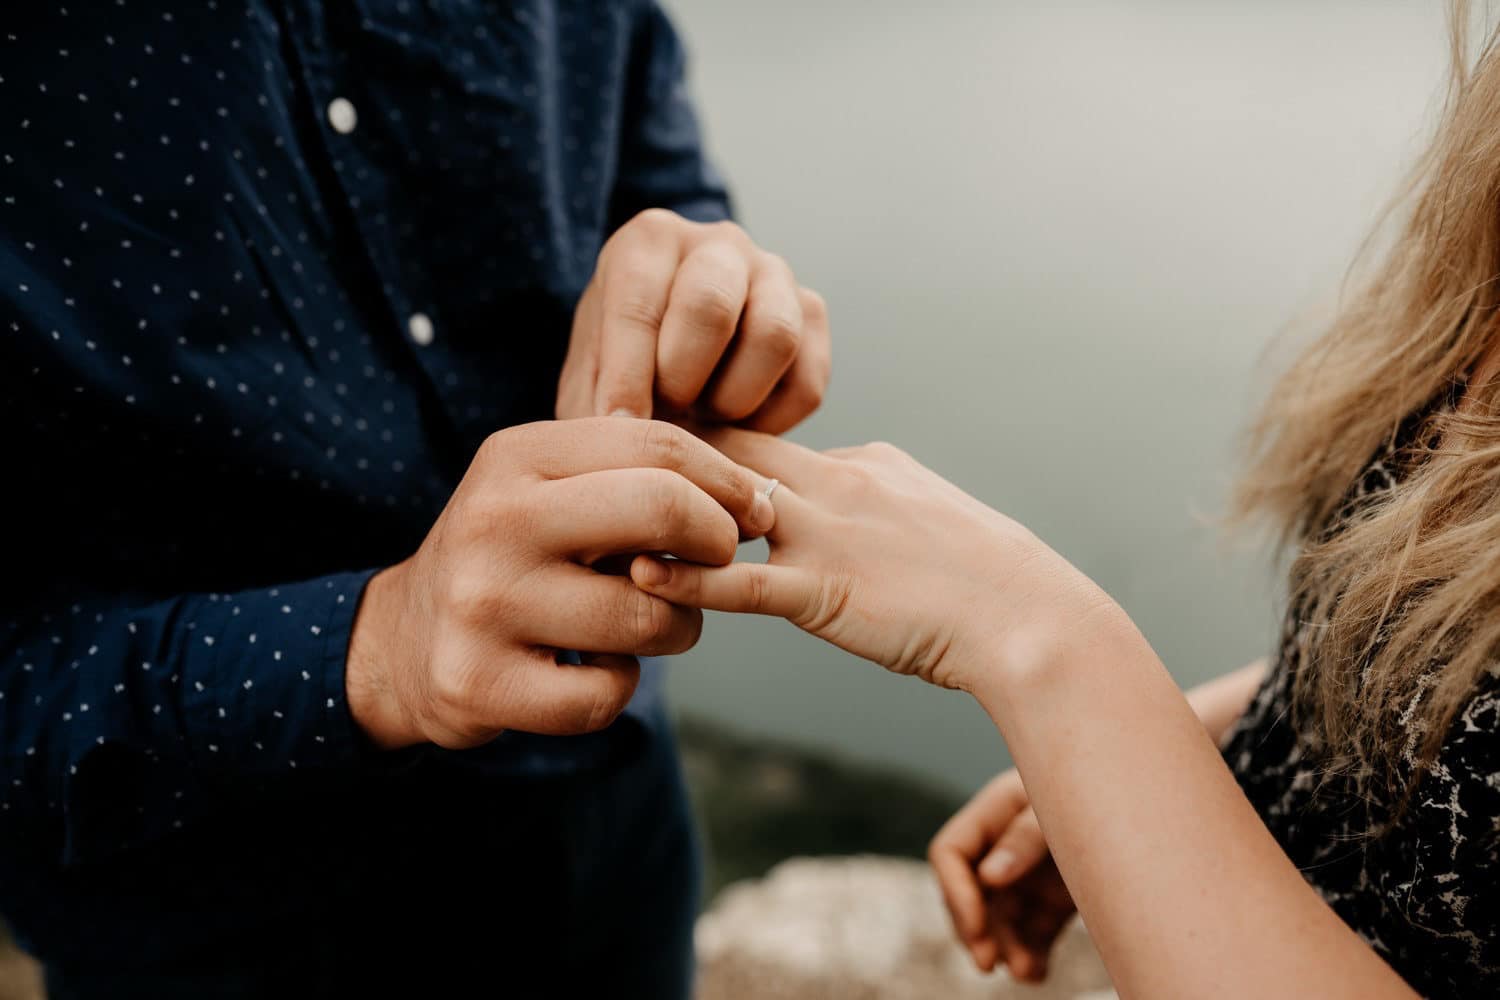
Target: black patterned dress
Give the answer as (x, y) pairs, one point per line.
(1424, 891)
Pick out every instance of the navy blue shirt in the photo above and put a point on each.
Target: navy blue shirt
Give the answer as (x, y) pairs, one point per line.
(269, 274)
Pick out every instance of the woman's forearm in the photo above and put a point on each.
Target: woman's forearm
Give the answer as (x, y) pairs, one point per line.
(1181, 885)
(1219, 703)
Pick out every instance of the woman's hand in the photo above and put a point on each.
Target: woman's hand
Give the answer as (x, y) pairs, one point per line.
(1006, 897)
(879, 555)
(1185, 891)
(1004, 893)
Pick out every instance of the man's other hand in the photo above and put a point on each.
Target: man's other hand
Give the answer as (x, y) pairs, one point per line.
(692, 319)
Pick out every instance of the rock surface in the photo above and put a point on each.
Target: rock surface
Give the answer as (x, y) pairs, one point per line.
(761, 801)
(861, 928)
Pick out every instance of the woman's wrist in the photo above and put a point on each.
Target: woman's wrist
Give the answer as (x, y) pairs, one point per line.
(1081, 628)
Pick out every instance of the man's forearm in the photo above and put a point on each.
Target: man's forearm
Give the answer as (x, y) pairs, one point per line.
(152, 696)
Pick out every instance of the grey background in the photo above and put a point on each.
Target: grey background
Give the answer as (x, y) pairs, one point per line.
(1057, 240)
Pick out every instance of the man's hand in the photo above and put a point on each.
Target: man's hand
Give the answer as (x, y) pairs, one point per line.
(462, 640)
(690, 319)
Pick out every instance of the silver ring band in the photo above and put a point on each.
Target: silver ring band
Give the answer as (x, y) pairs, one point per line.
(770, 488)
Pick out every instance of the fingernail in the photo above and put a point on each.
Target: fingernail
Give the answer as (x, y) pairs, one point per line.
(997, 865)
(652, 573)
(621, 411)
(762, 512)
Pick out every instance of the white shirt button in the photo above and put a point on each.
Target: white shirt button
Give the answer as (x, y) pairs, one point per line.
(342, 116)
(420, 328)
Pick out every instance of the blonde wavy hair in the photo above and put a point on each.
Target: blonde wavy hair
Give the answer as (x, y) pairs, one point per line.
(1399, 598)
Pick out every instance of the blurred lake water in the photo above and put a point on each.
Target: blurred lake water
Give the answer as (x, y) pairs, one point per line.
(1057, 239)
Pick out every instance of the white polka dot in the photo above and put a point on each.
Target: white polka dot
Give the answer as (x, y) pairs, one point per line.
(342, 116)
(420, 328)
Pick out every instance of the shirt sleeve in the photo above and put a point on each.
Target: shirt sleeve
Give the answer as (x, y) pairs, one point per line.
(115, 719)
(662, 161)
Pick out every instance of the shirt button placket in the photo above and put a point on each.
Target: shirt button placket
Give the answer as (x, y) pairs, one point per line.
(343, 118)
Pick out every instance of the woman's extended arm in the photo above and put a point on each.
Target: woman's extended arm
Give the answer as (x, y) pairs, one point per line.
(1181, 885)
(1007, 899)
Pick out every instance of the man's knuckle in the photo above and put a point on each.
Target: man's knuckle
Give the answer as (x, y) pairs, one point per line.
(492, 445)
(807, 391)
(814, 306)
(723, 254)
(723, 234)
(657, 220)
(469, 597)
(671, 515)
(675, 389)
(713, 305)
(664, 445)
(636, 308)
(653, 229)
(651, 618)
(617, 245)
(812, 393)
(685, 633)
(451, 688)
(499, 446)
(779, 334)
(724, 540)
(732, 406)
(775, 263)
(493, 514)
(738, 493)
(603, 709)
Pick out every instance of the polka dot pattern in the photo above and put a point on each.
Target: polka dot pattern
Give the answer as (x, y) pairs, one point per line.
(269, 274)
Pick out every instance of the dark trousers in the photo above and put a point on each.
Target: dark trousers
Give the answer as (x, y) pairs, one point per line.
(435, 882)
